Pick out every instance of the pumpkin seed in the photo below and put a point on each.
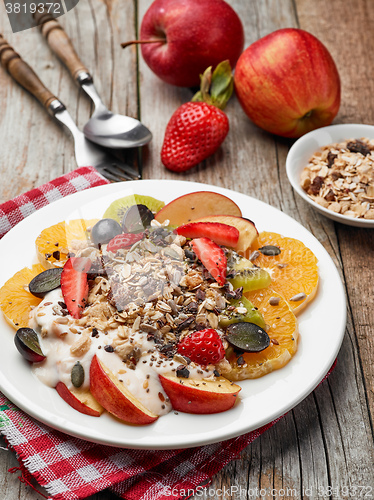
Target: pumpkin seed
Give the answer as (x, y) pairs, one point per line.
(247, 337)
(270, 250)
(77, 374)
(45, 282)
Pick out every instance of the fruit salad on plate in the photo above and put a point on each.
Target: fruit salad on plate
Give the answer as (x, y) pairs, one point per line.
(156, 307)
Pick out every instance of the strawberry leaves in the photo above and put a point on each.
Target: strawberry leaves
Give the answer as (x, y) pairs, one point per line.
(217, 88)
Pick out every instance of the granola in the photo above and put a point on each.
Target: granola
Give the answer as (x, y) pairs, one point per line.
(142, 302)
(153, 289)
(340, 177)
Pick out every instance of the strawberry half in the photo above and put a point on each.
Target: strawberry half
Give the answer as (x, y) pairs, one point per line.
(204, 347)
(74, 285)
(212, 257)
(222, 234)
(124, 240)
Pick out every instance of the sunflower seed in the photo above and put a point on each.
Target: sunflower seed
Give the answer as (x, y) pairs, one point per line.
(274, 301)
(298, 297)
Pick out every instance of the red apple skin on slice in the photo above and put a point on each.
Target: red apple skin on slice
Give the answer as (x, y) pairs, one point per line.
(115, 397)
(247, 230)
(192, 206)
(200, 396)
(80, 400)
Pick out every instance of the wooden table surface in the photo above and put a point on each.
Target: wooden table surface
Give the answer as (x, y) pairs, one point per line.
(326, 440)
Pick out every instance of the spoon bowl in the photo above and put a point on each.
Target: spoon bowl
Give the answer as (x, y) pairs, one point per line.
(104, 127)
(116, 131)
(109, 129)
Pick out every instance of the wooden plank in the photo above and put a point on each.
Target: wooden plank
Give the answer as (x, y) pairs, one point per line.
(319, 443)
(38, 148)
(32, 138)
(356, 245)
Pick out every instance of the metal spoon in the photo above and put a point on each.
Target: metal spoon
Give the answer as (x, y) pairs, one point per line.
(104, 127)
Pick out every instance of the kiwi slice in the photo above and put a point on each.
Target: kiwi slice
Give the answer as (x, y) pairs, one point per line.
(118, 208)
(245, 274)
(251, 316)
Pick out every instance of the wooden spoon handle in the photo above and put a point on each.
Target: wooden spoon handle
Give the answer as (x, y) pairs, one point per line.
(61, 44)
(23, 74)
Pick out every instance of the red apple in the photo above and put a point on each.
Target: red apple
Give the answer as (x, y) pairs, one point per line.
(200, 396)
(115, 397)
(287, 83)
(192, 206)
(193, 35)
(80, 399)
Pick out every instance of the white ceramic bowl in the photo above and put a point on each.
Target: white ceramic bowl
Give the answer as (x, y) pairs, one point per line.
(303, 149)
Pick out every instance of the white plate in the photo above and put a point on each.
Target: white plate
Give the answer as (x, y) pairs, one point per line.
(304, 148)
(322, 328)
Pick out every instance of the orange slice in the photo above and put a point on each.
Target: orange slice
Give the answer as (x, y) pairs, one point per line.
(54, 242)
(283, 332)
(294, 272)
(15, 300)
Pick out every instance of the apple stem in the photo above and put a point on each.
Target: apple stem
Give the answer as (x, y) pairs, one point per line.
(138, 42)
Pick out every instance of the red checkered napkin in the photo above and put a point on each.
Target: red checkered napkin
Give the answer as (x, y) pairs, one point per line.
(13, 211)
(70, 468)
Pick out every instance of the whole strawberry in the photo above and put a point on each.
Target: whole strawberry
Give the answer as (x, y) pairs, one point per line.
(204, 347)
(198, 128)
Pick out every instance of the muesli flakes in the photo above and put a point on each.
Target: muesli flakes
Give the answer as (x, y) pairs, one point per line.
(340, 177)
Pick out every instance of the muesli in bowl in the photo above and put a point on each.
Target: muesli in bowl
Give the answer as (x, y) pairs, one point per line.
(340, 177)
(340, 159)
(152, 309)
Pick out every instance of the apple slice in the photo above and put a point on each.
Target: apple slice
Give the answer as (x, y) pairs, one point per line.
(247, 230)
(80, 399)
(115, 397)
(192, 206)
(200, 396)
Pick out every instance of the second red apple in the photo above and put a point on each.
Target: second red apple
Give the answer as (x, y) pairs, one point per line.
(287, 83)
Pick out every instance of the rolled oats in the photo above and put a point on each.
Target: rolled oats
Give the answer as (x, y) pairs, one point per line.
(81, 346)
(149, 292)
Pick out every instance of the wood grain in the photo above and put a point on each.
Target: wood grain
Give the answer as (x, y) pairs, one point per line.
(328, 438)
